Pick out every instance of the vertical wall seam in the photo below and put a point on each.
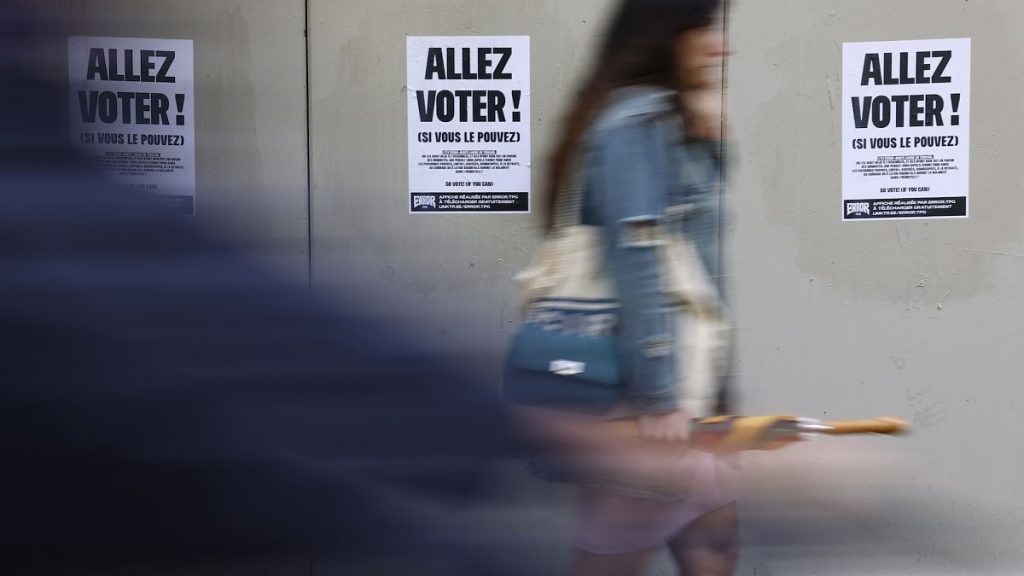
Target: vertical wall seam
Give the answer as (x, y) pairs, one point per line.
(309, 151)
(723, 154)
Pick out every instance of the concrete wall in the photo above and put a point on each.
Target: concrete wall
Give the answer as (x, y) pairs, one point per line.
(250, 106)
(447, 275)
(915, 318)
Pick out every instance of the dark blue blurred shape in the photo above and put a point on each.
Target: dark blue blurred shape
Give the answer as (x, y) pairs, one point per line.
(162, 393)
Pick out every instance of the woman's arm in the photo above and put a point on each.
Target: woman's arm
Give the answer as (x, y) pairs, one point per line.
(631, 177)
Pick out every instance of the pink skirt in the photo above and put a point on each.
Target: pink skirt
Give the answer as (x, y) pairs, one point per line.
(611, 522)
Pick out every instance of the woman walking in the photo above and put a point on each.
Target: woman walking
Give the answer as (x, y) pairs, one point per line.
(643, 139)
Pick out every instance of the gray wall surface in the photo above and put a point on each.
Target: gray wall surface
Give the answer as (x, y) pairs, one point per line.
(250, 85)
(919, 319)
(445, 275)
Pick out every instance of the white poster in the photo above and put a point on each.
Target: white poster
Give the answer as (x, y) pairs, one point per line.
(906, 129)
(469, 123)
(132, 112)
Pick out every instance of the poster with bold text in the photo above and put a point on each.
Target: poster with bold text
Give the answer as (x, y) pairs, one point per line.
(132, 113)
(469, 124)
(906, 129)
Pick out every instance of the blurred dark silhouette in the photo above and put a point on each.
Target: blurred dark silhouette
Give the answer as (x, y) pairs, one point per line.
(164, 396)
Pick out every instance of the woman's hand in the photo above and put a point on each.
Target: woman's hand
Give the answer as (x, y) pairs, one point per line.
(671, 427)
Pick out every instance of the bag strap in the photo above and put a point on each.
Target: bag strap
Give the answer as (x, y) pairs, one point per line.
(569, 207)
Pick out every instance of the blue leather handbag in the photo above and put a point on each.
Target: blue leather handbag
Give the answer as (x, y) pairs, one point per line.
(566, 358)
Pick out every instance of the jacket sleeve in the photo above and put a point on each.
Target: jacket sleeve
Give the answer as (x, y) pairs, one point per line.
(629, 174)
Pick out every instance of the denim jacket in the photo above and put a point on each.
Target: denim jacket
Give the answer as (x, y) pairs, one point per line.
(640, 176)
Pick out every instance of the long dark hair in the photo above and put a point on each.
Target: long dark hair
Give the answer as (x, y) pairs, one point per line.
(639, 48)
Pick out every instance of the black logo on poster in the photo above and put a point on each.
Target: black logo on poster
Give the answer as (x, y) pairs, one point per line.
(424, 202)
